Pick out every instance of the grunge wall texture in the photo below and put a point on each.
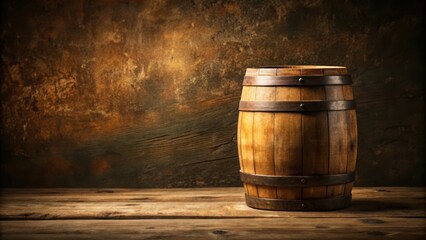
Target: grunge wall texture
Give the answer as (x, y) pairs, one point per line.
(120, 93)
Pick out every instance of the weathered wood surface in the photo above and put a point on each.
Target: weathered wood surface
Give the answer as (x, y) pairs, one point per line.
(206, 213)
(298, 228)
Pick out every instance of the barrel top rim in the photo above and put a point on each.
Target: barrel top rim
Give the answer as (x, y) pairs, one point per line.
(299, 67)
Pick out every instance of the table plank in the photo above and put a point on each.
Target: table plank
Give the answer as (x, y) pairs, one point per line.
(205, 213)
(255, 228)
(189, 203)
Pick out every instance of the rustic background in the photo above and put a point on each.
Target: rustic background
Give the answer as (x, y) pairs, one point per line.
(144, 93)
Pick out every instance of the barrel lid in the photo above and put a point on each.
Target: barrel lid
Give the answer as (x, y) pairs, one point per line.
(296, 70)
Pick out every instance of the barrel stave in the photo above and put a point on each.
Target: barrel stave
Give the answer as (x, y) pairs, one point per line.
(314, 143)
(352, 136)
(288, 143)
(246, 139)
(263, 141)
(338, 134)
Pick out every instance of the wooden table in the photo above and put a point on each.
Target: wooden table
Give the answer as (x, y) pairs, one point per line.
(203, 213)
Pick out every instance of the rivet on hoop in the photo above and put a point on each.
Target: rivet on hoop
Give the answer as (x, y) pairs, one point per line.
(301, 80)
(303, 180)
(302, 106)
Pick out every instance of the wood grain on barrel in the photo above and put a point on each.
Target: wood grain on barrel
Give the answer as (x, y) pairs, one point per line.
(252, 71)
(311, 72)
(288, 142)
(263, 144)
(335, 71)
(315, 142)
(352, 133)
(263, 135)
(338, 155)
(246, 139)
(239, 140)
(288, 72)
(267, 72)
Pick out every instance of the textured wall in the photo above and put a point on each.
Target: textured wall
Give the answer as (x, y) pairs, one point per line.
(145, 93)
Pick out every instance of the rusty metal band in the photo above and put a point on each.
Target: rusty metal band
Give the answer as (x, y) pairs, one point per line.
(297, 80)
(297, 181)
(299, 205)
(296, 106)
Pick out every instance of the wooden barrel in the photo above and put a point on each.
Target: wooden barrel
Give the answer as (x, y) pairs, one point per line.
(297, 137)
